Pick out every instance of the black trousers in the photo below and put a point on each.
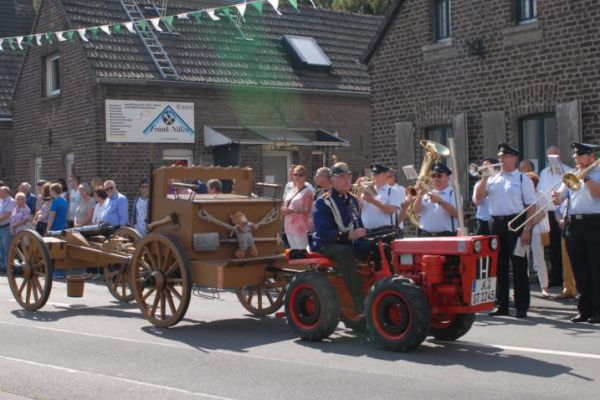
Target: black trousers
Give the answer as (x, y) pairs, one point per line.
(345, 264)
(483, 227)
(556, 269)
(422, 233)
(583, 246)
(507, 241)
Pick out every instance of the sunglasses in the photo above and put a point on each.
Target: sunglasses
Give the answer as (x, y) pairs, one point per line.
(110, 188)
(299, 175)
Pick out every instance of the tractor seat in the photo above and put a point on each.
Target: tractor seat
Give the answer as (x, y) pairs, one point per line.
(308, 258)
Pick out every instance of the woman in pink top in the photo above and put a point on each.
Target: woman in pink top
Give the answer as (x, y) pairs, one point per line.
(20, 215)
(297, 210)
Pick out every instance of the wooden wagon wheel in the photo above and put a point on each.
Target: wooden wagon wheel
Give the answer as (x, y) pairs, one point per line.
(30, 270)
(116, 276)
(264, 298)
(162, 281)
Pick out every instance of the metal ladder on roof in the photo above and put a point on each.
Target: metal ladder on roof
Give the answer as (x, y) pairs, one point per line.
(155, 50)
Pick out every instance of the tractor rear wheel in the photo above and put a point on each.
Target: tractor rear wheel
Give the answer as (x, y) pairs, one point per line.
(455, 326)
(398, 314)
(311, 306)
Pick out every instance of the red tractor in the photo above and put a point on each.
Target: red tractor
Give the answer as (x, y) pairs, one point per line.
(434, 286)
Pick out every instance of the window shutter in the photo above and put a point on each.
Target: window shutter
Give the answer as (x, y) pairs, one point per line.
(461, 139)
(494, 132)
(568, 125)
(405, 148)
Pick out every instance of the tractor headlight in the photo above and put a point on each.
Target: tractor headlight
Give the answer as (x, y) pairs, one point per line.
(477, 246)
(493, 243)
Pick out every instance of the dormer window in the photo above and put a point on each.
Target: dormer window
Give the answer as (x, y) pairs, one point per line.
(306, 51)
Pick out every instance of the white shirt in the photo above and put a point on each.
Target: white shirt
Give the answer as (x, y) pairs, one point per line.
(403, 196)
(74, 200)
(508, 193)
(434, 218)
(290, 185)
(372, 216)
(483, 208)
(544, 225)
(549, 180)
(98, 212)
(582, 201)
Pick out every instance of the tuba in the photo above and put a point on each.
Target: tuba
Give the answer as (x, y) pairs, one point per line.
(433, 152)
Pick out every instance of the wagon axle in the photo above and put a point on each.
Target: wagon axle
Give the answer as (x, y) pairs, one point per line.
(155, 280)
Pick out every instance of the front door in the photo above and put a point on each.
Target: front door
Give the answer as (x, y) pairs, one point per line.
(275, 168)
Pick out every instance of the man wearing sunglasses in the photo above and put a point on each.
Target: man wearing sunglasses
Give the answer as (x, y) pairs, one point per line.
(116, 211)
(437, 208)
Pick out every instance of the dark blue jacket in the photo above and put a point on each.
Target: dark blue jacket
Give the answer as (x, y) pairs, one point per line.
(326, 230)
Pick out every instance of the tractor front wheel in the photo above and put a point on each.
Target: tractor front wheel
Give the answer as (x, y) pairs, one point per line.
(311, 306)
(452, 327)
(398, 314)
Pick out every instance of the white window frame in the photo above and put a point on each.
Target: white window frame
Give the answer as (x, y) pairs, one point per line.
(322, 154)
(37, 169)
(51, 72)
(69, 162)
(179, 154)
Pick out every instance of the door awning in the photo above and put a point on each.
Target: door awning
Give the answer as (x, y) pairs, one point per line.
(278, 136)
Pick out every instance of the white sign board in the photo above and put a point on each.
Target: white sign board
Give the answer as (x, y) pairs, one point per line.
(149, 122)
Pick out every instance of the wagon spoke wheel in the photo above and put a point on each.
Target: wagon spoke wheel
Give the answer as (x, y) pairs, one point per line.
(116, 276)
(161, 279)
(29, 270)
(264, 298)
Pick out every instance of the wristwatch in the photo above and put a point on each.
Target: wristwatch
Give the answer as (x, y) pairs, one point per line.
(586, 178)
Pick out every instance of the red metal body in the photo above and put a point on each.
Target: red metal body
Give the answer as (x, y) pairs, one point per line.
(444, 267)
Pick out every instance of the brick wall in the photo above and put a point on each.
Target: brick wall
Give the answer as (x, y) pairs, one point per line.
(522, 73)
(74, 121)
(5, 153)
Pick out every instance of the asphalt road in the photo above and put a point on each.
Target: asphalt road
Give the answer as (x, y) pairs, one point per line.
(95, 348)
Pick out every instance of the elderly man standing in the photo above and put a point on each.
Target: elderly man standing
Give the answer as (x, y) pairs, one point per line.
(116, 212)
(30, 199)
(322, 181)
(6, 207)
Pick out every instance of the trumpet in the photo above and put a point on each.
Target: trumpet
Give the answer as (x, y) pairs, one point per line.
(477, 172)
(571, 181)
(364, 186)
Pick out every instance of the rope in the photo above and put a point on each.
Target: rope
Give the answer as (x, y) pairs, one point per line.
(337, 216)
(270, 217)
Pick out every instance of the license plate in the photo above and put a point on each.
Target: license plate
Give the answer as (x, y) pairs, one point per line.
(483, 291)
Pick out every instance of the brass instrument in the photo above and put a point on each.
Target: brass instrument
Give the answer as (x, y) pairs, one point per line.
(477, 172)
(433, 152)
(364, 186)
(571, 180)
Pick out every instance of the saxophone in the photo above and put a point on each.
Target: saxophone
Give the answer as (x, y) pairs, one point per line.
(433, 152)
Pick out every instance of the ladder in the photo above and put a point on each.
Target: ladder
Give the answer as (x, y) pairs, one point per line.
(153, 46)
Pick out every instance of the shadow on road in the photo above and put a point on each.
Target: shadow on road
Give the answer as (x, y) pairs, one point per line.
(116, 309)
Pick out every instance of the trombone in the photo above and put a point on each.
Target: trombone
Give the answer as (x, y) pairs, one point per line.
(477, 172)
(571, 180)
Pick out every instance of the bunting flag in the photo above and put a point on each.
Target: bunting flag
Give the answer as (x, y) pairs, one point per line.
(38, 39)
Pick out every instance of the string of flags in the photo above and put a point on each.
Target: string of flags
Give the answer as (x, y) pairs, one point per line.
(17, 43)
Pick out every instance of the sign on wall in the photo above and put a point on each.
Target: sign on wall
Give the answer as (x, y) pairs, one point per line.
(149, 122)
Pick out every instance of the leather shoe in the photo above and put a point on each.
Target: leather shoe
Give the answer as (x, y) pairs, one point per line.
(594, 319)
(521, 314)
(497, 312)
(580, 318)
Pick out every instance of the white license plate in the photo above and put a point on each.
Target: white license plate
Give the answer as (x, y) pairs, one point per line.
(483, 291)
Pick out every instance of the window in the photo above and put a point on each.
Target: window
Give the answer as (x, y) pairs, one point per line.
(439, 134)
(306, 50)
(526, 11)
(441, 20)
(37, 172)
(179, 156)
(69, 164)
(52, 75)
(536, 133)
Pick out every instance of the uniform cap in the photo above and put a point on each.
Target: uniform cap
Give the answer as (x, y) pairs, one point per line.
(504, 148)
(378, 168)
(441, 168)
(340, 168)
(583, 148)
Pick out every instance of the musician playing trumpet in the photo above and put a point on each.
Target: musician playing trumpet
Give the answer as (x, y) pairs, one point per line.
(483, 215)
(581, 231)
(380, 211)
(437, 207)
(509, 193)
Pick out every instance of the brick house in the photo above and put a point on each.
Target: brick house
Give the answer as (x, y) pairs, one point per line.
(16, 17)
(253, 99)
(521, 71)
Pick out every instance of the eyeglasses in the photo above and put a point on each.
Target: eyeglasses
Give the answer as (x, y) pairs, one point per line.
(299, 175)
(110, 188)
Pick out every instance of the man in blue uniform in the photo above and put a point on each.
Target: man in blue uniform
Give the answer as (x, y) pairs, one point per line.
(583, 241)
(338, 228)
